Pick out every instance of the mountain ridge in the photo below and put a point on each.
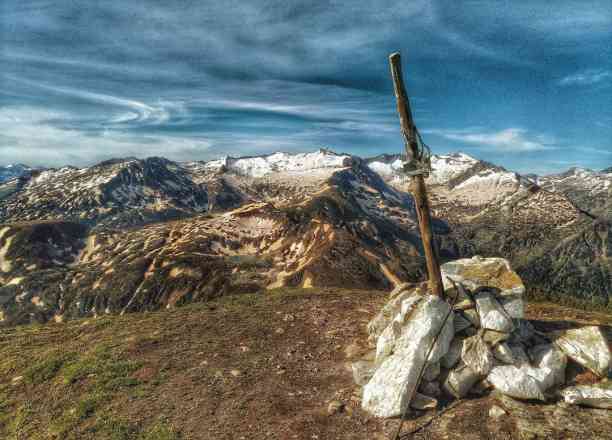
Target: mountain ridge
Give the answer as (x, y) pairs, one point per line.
(142, 234)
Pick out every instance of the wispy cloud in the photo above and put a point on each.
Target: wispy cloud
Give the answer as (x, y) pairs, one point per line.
(237, 77)
(140, 112)
(506, 140)
(36, 137)
(586, 78)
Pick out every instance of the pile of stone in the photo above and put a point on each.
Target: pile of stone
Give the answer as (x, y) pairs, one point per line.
(426, 348)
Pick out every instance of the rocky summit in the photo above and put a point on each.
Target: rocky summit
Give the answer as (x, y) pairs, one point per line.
(480, 341)
(131, 235)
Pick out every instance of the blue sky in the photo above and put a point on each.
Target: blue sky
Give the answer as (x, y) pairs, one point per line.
(525, 84)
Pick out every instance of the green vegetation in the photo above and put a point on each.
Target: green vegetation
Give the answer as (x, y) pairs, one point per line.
(160, 431)
(82, 384)
(46, 368)
(109, 371)
(595, 304)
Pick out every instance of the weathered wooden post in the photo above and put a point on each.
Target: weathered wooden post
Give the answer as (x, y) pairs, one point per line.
(420, 193)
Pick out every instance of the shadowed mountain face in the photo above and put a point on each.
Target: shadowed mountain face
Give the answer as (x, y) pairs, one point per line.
(13, 171)
(132, 235)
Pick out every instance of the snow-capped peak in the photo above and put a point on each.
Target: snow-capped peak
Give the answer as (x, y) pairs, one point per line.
(444, 167)
(259, 166)
(448, 166)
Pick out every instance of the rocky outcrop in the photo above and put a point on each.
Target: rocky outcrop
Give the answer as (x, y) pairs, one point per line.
(493, 347)
(420, 323)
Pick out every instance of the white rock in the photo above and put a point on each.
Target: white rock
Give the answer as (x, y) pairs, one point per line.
(460, 381)
(544, 376)
(492, 314)
(503, 353)
(514, 305)
(452, 357)
(386, 342)
(400, 288)
(362, 371)
(461, 323)
(386, 394)
(496, 412)
(493, 337)
(550, 356)
(477, 355)
(519, 354)
(380, 322)
(588, 347)
(387, 339)
(472, 316)
(423, 402)
(515, 382)
(478, 272)
(596, 396)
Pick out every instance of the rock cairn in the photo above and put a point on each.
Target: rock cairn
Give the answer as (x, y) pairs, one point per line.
(484, 343)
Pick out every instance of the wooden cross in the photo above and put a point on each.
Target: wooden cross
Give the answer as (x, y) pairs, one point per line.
(420, 192)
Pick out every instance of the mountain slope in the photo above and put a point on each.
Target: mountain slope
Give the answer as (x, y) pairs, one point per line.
(132, 235)
(590, 190)
(262, 366)
(337, 225)
(557, 247)
(115, 193)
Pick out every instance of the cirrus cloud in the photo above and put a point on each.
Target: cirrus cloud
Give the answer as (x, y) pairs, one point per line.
(506, 140)
(586, 78)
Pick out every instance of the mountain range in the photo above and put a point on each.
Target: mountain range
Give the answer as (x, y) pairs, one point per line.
(131, 235)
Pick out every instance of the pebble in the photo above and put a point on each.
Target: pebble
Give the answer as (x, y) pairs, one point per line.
(334, 407)
(496, 412)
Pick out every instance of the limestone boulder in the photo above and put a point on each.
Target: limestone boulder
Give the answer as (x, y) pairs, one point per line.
(596, 396)
(382, 320)
(460, 381)
(388, 393)
(389, 336)
(492, 315)
(588, 347)
(477, 355)
(492, 273)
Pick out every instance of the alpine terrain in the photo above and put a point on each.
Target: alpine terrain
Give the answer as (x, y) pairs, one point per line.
(130, 235)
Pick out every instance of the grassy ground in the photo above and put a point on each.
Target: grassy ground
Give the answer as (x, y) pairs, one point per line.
(247, 366)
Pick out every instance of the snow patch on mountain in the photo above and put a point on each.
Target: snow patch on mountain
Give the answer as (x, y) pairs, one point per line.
(489, 179)
(578, 178)
(279, 162)
(387, 169)
(443, 167)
